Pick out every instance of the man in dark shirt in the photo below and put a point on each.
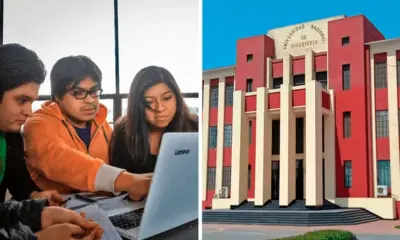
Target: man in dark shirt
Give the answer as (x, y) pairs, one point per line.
(21, 73)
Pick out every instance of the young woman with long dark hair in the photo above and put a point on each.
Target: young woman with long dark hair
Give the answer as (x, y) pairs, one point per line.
(155, 106)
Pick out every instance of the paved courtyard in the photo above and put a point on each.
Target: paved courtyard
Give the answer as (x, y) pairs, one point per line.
(382, 230)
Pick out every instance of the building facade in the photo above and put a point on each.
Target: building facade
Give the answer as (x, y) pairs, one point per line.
(309, 112)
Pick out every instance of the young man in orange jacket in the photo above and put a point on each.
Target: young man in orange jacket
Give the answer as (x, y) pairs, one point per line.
(67, 140)
(21, 74)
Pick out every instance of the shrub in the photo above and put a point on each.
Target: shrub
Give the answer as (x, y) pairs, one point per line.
(323, 235)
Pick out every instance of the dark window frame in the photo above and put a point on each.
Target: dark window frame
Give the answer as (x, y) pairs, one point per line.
(229, 89)
(382, 123)
(346, 77)
(380, 73)
(348, 174)
(228, 135)
(249, 85)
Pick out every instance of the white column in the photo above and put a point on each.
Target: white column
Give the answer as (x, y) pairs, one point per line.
(314, 144)
(373, 121)
(206, 118)
(263, 149)
(240, 149)
(287, 70)
(309, 66)
(393, 123)
(330, 157)
(287, 172)
(220, 135)
(287, 159)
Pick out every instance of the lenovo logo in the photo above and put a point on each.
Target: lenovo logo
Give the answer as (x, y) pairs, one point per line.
(182, 152)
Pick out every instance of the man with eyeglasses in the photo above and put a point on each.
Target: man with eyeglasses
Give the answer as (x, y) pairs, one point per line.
(67, 140)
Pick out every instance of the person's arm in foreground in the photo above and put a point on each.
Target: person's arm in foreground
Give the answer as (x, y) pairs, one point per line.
(57, 161)
(19, 220)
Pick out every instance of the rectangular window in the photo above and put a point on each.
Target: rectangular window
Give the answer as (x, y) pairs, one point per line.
(322, 77)
(229, 95)
(226, 177)
(276, 131)
(212, 142)
(249, 57)
(380, 75)
(299, 80)
(345, 41)
(249, 85)
(250, 131)
(384, 173)
(211, 178)
(228, 136)
(346, 124)
(249, 178)
(348, 175)
(276, 82)
(346, 76)
(214, 97)
(299, 135)
(382, 124)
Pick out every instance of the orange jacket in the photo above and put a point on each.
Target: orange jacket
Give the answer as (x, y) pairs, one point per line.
(56, 156)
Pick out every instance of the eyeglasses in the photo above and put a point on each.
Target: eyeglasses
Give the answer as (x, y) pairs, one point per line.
(82, 94)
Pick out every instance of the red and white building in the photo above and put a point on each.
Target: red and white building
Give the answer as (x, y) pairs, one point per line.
(310, 112)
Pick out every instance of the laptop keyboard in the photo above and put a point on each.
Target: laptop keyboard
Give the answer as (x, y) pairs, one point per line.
(127, 220)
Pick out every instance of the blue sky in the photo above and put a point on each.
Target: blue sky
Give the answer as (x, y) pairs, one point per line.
(226, 21)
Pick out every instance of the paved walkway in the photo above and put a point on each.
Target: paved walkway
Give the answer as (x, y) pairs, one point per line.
(382, 230)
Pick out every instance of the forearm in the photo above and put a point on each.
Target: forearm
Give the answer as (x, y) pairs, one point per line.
(106, 179)
(27, 212)
(18, 231)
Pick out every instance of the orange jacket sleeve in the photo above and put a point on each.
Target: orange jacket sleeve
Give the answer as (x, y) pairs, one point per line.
(54, 158)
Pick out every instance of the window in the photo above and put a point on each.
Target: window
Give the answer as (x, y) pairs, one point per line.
(380, 75)
(398, 72)
(345, 41)
(346, 76)
(228, 136)
(384, 173)
(213, 137)
(249, 178)
(229, 95)
(276, 136)
(211, 178)
(249, 57)
(382, 128)
(299, 80)
(276, 82)
(348, 175)
(346, 124)
(299, 135)
(193, 105)
(322, 77)
(249, 85)
(214, 97)
(250, 131)
(226, 177)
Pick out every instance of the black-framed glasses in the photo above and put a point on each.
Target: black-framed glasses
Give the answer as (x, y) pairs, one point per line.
(82, 94)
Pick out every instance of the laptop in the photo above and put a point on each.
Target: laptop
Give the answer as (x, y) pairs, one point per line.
(173, 196)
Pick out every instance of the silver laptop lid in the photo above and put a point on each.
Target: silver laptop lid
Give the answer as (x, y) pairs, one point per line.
(173, 197)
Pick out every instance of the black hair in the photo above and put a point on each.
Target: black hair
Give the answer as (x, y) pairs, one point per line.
(69, 71)
(135, 123)
(19, 66)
